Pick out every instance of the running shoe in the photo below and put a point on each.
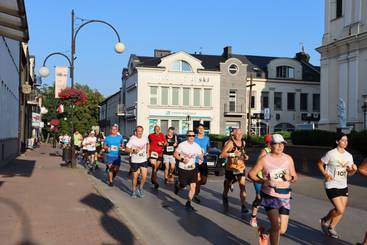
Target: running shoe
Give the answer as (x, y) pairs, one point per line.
(253, 222)
(332, 233)
(231, 188)
(134, 194)
(324, 226)
(110, 183)
(196, 199)
(189, 207)
(140, 191)
(244, 209)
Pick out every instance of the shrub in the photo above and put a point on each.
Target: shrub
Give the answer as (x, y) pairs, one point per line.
(286, 135)
(218, 137)
(313, 137)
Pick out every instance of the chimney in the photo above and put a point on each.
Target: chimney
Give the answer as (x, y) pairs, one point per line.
(159, 53)
(227, 52)
(302, 55)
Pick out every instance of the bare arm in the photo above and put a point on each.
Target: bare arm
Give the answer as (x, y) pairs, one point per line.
(257, 168)
(292, 172)
(321, 166)
(262, 153)
(177, 155)
(363, 168)
(227, 147)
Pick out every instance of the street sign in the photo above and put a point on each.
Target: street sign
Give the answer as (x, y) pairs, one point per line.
(267, 113)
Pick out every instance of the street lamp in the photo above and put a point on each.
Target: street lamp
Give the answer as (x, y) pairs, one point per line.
(44, 72)
(364, 109)
(188, 119)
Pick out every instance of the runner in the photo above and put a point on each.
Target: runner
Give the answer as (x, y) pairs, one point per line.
(138, 147)
(204, 142)
(336, 165)
(168, 158)
(84, 149)
(363, 171)
(113, 145)
(99, 145)
(256, 203)
(78, 138)
(186, 153)
(156, 143)
(278, 173)
(91, 149)
(234, 151)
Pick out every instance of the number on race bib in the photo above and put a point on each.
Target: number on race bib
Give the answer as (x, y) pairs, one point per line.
(114, 148)
(154, 154)
(340, 173)
(277, 175)
(170, 148)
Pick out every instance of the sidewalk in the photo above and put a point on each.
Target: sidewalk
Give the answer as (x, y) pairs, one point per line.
(42, 202)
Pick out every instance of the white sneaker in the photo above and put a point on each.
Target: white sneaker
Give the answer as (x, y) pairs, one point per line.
(253, 222)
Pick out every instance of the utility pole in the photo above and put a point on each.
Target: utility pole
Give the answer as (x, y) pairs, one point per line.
(249, 104)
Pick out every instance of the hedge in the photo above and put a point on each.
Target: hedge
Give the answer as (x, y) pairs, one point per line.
(313, 137)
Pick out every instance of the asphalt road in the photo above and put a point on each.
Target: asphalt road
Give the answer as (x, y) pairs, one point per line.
(160, 217)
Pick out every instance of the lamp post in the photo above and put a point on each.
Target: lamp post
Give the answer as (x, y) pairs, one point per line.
(364, 109)
(44, 72)
(188, 119)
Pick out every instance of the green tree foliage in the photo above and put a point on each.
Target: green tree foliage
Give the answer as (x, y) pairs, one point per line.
(85, 116)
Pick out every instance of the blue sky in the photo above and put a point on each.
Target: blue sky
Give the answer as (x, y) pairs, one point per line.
(261, 27)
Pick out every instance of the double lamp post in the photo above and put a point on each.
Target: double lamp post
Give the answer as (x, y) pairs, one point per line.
(44, 71)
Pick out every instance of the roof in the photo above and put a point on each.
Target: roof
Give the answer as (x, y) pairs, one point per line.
(13, 20)
(212, 62)
(108, 98)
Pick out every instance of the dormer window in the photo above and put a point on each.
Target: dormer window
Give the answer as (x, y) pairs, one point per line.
(181, 66)
(285, 72)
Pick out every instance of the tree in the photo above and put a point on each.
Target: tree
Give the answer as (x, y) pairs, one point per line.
(85, 115)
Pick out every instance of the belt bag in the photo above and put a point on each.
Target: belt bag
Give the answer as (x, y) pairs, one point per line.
(282, 190)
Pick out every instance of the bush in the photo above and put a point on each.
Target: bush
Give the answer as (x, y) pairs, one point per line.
(255, 140)
(358, 141)
(286, 135)
(313, 137)
(218, 137)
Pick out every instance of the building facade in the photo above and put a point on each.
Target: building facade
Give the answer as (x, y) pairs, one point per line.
(343, 63)
(171, 90)
(15, 80)
(110, 112)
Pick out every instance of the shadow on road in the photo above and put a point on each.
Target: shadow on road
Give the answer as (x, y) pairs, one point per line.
(112, 226)
(18, 167)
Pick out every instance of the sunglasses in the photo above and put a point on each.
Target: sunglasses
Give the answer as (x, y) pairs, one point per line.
(190, 135)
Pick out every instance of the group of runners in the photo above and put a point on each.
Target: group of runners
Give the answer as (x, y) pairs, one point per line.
(272, 175)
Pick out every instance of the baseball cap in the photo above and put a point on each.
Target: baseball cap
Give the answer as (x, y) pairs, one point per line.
(267, 138)
(277, 138)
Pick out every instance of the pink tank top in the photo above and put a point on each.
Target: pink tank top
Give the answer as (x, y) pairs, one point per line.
(274, 170)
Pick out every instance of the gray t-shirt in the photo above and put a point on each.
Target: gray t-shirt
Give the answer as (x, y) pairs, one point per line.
(336, 166)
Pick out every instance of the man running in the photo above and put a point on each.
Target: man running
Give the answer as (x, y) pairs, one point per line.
(113, 145)
(278, 172)
(336, 166)
(257, 185)
(234, 151)
(91, 149)
(168, 158)
(99, 145)
(138, 147)
(78, 138)
(204, 142)
(186, 153)
(156, 143)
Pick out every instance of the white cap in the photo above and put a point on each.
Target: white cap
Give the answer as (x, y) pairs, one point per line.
(277, 138)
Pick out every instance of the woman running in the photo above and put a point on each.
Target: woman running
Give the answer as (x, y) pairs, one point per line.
(335, 166)
(278, 173)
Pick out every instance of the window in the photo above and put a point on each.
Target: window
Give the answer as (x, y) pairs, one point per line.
(153, 95)
(164, 95)
(339, 8)
(186, 96)
(197, 96)
(291, 101)
(253, 99)
(264, 100)
(175, 96)
(303, 102)
(232, 100)
(181, 66)
(233, 69)
(278, 101)
(285, 72)
(164, 126)
(176, 125)
(316, 102)
(207, 97)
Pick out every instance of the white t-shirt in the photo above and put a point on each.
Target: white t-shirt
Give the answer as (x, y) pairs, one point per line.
(91, 143)
(141, 145)
(189, 152)
(336, 166)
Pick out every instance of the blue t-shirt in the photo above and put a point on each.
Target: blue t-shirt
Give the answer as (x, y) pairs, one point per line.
(204, 143)
(113, 143)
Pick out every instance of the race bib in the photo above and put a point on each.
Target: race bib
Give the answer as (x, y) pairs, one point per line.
(340, 173)
(114, 148)
(170, 148)
(154, 155)
(277, 175)
(141, 154)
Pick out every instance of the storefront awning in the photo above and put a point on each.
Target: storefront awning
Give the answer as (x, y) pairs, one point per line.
(13, 20)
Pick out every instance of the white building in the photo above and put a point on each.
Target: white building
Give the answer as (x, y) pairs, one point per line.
(344, 62)
(170, 89)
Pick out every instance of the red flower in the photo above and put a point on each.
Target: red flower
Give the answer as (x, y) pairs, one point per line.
(55, 122)
(77, 96)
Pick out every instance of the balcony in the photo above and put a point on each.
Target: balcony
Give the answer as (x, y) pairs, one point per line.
(234, 110)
